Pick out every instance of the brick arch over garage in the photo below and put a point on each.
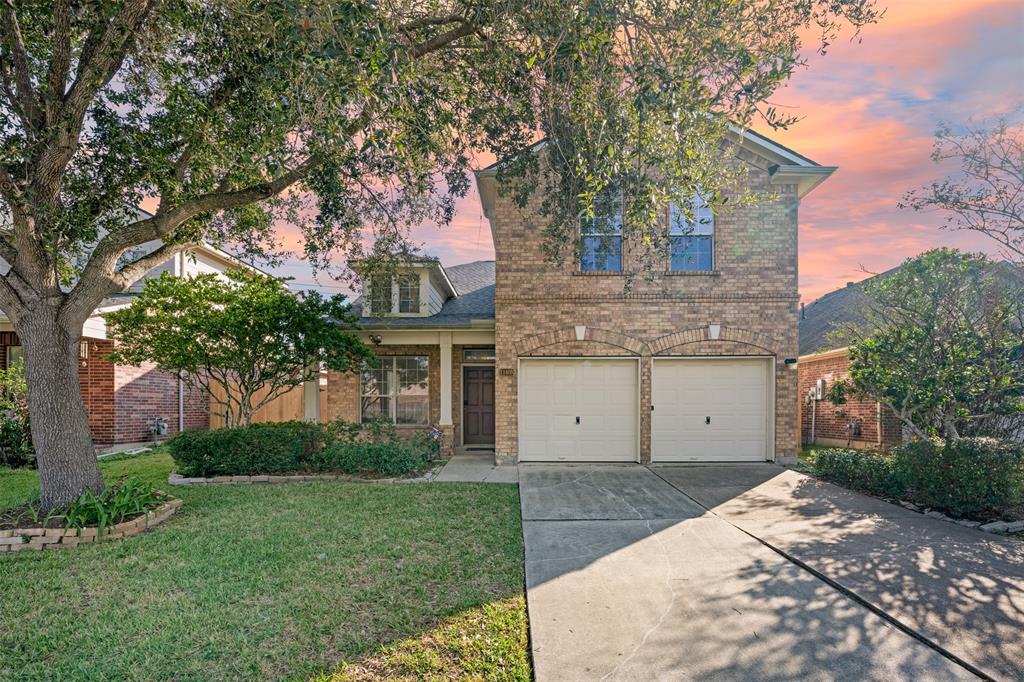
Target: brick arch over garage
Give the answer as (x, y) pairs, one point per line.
(737, 335)
(567, 335)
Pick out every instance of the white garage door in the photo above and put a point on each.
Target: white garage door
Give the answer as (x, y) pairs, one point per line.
(579, 410)
(709, 410)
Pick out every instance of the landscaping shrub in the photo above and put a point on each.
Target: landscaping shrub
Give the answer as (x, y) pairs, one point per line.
(966, 477)
(244, 451)
(363, 457)
(15, 436)
(127, 498)
(292, 447)
(857, 469)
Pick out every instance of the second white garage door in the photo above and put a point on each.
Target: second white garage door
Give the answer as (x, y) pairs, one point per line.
(710, 410)
(578, 410)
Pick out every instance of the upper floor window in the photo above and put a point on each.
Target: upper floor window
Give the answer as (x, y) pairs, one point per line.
(601, 236)
(409, 293)
(380, 296)
(692, 242)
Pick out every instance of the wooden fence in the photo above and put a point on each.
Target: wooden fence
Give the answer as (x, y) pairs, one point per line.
(286, 407)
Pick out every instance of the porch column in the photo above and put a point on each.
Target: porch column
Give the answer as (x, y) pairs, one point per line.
(445, 341)
(311, 400)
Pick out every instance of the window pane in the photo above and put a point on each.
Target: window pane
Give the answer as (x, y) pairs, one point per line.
(409, 294)
(412, 374)
(377, 390)
(413, 410)
(413, 404)
(691, 254)
(478, 354)
(375, 408)
(601, 254)
(14, 354)
(607, 218)
(702, 224)
(380, 296)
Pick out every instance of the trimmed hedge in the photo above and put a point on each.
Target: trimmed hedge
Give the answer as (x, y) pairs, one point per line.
(293, 447)
(865, 471)
(978, 477)
(971, 477)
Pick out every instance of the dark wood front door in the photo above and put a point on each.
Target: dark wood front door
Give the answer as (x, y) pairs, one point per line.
(478, 405)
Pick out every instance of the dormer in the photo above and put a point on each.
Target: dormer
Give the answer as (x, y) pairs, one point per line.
(413, 289)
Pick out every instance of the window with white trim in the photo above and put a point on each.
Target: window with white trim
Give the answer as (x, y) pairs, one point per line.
(601, 236)
(396, 390)
(409, 293)
(692, 241)
(380, 296)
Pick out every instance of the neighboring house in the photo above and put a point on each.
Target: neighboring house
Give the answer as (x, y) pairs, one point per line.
(860, 423)
(129, 404)
(537, 361)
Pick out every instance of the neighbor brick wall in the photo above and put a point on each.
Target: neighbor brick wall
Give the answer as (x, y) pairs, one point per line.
(122, 401)
(752, 294)
(141, 394)
(879, 427)
(96, 374)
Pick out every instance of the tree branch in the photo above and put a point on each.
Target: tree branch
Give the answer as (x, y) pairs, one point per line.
(439, 41)
(60, 62)
(101, 58)
(14, 45)
(99, 279)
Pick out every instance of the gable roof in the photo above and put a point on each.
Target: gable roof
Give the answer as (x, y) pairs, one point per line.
(472, 305)
(785, 167)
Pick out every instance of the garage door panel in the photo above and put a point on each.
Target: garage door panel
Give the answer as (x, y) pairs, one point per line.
(733, 392)
(601, 392)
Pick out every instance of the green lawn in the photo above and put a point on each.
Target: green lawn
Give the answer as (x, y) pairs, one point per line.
(355, 580)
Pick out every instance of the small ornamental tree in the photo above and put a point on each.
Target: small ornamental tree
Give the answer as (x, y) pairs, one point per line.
(985, 194)
(249, 335)
(353, 121)
(941, 344)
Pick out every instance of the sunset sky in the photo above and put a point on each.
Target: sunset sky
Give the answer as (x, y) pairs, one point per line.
(870, 108)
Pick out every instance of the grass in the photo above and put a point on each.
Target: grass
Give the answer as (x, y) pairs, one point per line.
(295, 581)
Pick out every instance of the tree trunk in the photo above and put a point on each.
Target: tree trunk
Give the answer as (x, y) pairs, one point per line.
(60, 426)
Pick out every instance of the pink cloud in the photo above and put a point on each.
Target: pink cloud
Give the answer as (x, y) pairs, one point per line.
(869, 107)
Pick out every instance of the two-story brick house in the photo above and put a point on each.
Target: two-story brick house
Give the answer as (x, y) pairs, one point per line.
(569, 364)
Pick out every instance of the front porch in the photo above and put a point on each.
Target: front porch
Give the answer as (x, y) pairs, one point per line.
(424, 379)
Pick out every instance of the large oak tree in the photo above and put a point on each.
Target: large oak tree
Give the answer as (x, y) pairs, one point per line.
(352, 119)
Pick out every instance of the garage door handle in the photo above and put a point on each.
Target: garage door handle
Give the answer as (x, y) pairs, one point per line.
(577, 420)
(707, 420)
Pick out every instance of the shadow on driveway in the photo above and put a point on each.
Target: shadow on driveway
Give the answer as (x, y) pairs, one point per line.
(630, 578)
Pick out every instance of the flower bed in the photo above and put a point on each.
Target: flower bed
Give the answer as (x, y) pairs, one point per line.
(40, 538)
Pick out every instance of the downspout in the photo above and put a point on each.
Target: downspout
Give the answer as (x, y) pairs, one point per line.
(814, 414)
(181, 404)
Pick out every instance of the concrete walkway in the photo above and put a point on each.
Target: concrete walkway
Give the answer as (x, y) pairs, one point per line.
(476, 468)
(630, 578)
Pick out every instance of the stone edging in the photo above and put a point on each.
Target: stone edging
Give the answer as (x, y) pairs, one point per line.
(990, 527)
(175, 479)
(37, 539)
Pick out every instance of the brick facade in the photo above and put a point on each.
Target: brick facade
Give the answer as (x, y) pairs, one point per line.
(343, 398)
(752, 294)
(825, 423)
(122, 402)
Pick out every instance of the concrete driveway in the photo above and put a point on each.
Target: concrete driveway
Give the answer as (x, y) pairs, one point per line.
(757, 573)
